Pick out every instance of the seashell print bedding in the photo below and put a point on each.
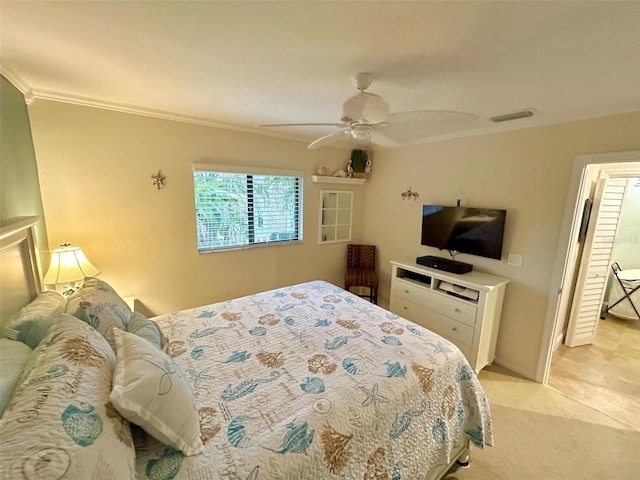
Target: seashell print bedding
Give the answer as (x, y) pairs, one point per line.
(312, 382)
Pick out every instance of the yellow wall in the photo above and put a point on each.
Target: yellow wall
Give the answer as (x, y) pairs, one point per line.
(95, 167)
(526, 172)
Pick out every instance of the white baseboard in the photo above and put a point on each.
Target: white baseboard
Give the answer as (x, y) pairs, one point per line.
(515, 369)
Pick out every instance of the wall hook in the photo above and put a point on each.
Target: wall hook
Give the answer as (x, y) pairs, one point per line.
(409, 194)
(158, 179)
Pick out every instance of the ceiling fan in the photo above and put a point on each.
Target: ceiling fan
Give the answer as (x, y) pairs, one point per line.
(366, 120)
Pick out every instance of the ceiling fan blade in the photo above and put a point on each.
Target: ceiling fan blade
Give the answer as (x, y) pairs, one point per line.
(339, 125)
(408, 127)
(379, 138)
(330, 139)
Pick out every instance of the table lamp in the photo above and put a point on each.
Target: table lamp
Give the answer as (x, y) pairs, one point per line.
(68, 267)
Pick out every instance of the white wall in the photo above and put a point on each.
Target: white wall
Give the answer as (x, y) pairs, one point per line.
(626, 248)
(526, 172)
(95, 167)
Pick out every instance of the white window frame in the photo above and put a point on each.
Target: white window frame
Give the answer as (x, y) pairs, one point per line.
(248, 170)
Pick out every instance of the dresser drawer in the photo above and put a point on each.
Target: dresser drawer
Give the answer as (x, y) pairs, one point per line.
(449, 306)
(434, 321)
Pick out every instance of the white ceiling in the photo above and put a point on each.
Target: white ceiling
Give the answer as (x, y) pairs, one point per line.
(242, 64)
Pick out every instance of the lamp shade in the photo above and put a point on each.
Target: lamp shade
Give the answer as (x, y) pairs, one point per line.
(68, 264)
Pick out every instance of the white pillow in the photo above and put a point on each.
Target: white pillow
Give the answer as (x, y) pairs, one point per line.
(150, 390)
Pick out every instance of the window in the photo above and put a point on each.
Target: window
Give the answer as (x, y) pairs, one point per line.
(236, 210)
(335, 216)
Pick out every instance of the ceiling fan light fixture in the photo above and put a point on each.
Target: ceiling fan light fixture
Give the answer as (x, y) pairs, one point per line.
(361, 132)
(367, 121)
(365, 108)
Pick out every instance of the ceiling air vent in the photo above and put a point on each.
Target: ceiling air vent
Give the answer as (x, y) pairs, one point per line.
(513, 116)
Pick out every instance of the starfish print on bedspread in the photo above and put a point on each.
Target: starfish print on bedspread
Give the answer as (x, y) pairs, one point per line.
(440, 348)
(300, 335)
(195, 376)
(365, 310)
(373, 398)
(257, 303)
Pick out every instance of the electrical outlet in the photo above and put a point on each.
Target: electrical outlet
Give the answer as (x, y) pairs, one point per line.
(514, 259)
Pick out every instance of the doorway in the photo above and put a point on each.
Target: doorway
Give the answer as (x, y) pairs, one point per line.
(603, 375)
(603, 372)
(567, 257)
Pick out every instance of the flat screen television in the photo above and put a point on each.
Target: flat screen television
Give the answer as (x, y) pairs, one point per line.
(476, 231)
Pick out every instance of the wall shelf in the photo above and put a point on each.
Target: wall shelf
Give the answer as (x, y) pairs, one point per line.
(349, 181)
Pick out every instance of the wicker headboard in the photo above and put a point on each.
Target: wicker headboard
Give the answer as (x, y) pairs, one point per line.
(20, 277)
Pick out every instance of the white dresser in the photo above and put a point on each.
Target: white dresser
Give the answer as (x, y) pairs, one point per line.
(464, 309)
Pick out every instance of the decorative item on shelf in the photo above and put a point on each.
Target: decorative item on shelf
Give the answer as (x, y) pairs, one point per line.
(367, 166)
(349, 172)
(158, 179)
(68, 267)
(358, 163)
(322, 171)
(409, 194)
(340, 173)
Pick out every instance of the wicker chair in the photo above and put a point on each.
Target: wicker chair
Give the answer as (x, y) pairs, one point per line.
(361, 270)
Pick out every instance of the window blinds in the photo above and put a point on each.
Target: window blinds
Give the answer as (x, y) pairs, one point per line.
(236, 210)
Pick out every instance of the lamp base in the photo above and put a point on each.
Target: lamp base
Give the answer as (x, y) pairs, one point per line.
(69, 289)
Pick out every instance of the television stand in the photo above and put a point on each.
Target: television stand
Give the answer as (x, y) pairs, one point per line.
(444, 264)
(464, 309)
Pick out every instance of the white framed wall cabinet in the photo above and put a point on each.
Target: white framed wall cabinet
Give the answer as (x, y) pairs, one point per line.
(336, 210)
(465, 309)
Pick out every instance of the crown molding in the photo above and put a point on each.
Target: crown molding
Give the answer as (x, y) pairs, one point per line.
(18, 82)
(155, 113)
(30, 95)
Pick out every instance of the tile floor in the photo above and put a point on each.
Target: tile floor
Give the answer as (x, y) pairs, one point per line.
(605, 375)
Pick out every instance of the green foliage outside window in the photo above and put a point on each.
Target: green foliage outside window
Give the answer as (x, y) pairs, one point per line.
(235, 210)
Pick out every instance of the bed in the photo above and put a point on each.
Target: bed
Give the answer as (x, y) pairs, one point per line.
(302, 382)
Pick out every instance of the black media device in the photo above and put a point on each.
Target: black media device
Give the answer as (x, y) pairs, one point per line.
(445, 264)
(476, 231)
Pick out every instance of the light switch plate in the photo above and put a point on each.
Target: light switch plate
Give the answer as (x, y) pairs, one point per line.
(514, 259)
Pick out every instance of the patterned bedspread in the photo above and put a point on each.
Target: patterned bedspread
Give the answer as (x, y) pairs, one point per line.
(312, 382)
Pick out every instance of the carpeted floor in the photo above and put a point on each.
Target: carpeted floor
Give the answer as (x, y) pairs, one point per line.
(543, 434)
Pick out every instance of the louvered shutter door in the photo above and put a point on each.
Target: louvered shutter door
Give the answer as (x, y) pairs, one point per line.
(595, 263)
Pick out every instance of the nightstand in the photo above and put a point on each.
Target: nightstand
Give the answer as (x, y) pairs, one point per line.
(132, 302)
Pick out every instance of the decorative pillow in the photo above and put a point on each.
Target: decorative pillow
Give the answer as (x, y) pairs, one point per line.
(60, 423)
(164, 340)
(98, 304)
(144, 328)
(14, 356)
(31, 324)
(150, 390)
